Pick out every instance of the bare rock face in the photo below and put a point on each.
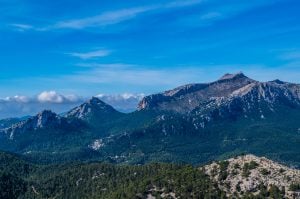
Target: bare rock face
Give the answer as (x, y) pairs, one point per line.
(43, 119)
(232, 93)
(186, 98)
(250, 173)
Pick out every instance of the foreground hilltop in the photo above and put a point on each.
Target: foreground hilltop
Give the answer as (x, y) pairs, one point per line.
(247, 176)
(255, 176)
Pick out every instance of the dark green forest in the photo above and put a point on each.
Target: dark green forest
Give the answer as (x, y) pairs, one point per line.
(21, 179)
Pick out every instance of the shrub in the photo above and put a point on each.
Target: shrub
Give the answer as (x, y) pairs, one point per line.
(295, 187)
(264, 172)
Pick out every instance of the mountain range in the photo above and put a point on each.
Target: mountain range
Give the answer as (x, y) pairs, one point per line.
(194, 123)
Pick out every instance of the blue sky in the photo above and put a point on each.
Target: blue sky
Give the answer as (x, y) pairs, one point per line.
(85, 48)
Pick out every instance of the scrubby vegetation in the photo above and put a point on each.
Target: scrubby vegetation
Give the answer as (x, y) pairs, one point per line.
(295, 187)
(248, 167)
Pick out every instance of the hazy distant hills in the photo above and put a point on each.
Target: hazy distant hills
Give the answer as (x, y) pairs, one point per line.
(194, 123)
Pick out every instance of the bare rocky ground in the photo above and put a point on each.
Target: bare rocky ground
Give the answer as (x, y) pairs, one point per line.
(248, 173)
(244, 175)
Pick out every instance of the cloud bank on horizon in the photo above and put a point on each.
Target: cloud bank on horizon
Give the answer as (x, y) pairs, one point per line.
(20, 106)
(139, 46)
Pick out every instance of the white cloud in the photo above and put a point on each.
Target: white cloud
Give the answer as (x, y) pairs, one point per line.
(43, 97)
(54, 97)
(123, 96)
(125, 102)
(90, 55)
(50, 96)
(18, 98)
(130, 95)
(19, 106)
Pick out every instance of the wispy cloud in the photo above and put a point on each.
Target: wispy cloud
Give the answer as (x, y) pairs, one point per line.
(90, 55)
(22, 27)
(115, 16)
(213, 11)
(177, 4)
(127, 74)
(217, 11)
(119, 78)
(291, 58)
(107, 18)
(211, 15)
(139, 77)
(292, 55)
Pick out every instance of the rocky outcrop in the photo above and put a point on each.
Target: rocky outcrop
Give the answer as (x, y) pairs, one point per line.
(252, 174)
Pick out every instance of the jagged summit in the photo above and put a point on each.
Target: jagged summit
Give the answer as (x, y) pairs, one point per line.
(277, 81)
(46, 113)
(92, 107)
(44, 119)
(186, 98)
(228, 76)
(232, 91)
(95, 101)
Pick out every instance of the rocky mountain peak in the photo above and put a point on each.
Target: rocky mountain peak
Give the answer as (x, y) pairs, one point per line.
(44, 119)
(229, 76)
(277, 81)
(46, 114)
(186, 98)
(230, 92)
(94, 106)
(95, 101)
